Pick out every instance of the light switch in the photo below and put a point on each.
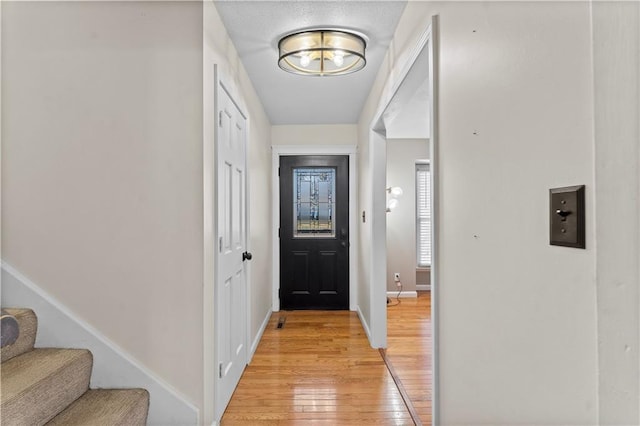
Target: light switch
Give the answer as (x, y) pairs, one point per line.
(566, 216)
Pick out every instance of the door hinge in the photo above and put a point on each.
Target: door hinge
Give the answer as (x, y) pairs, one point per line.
(278, 232)
(220, 371)
(220, 243)
(278, 171)
(220, 118)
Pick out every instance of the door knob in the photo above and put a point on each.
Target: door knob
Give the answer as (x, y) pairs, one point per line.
(246, 256)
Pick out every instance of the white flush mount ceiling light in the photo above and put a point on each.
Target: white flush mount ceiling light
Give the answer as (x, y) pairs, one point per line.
(322, 52)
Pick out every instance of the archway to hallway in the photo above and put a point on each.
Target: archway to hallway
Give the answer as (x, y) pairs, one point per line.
(405, 109)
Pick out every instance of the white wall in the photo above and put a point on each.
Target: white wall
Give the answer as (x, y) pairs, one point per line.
(107, 152)
(314, 134)
(364, 233)
(1, 133)
(517, 316)
(401, 222)
(102, 170)
(616, 56)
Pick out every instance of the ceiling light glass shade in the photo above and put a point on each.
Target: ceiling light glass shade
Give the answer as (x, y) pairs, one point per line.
(322, 52)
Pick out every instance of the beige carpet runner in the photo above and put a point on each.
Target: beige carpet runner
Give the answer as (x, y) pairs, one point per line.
(51, 385)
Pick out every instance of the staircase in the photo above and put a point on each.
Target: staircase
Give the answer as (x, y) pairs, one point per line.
(51, 385)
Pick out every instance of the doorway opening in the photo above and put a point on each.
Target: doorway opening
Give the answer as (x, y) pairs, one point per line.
(406, 121)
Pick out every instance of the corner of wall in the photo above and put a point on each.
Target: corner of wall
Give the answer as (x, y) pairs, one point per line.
(616, 81)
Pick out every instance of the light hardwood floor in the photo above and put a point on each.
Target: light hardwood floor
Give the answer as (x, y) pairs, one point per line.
(320, 369)
(409, 349)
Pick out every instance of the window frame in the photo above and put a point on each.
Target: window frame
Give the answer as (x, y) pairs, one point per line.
(423, 165)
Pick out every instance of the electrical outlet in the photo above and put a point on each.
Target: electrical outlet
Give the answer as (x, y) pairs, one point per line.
(396, 277)
(399, 284)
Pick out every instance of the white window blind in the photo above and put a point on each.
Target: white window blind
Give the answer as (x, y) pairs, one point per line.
(423, 214)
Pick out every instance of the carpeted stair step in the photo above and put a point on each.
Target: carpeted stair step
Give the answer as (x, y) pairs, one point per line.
(27, 326)
(113, 407)
(39, 384)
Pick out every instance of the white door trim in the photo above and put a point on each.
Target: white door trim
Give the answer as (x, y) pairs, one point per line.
(277, 151)
(377, 149)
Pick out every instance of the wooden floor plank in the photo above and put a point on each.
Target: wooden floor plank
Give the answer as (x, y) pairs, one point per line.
(409, 350)
(320, 369)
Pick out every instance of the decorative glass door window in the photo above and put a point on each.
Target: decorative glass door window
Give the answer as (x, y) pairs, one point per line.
(314, 202)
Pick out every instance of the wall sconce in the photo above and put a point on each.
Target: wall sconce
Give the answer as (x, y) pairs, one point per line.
(394, 193)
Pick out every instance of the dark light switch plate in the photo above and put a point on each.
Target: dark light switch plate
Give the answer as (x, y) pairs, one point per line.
(566, 216)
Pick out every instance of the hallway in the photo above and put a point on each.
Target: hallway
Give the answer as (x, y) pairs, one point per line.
(320, 367)
(111, 123)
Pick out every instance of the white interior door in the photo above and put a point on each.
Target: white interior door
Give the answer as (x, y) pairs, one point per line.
(230, 285)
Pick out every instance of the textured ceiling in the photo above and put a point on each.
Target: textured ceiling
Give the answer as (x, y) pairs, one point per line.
(255, 28)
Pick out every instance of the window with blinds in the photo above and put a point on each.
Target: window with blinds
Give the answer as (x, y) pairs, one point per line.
(423, 214)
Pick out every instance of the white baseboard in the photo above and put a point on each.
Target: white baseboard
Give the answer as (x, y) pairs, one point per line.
(403, 294)
(364, 323)
(113, 367)
(423, 287)
(256, 341)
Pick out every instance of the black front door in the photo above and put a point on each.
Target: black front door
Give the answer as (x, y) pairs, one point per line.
(314, 232)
